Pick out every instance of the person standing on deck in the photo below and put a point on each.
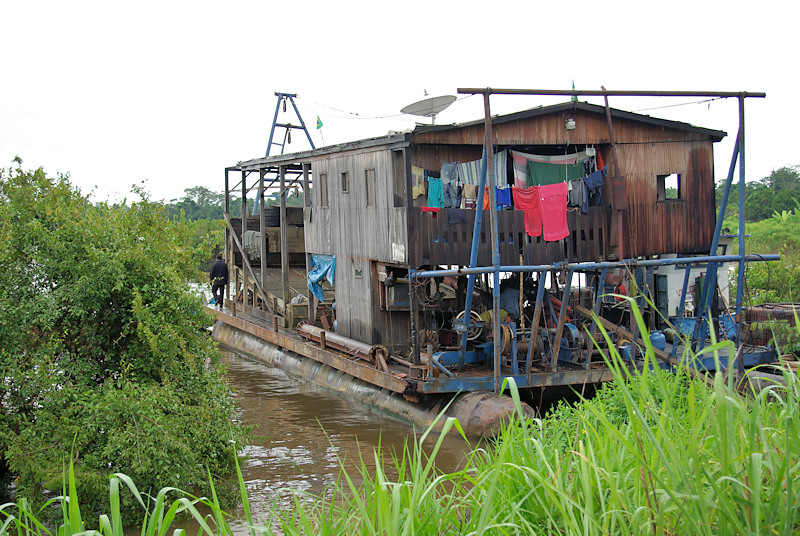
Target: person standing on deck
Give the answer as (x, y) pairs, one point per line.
(219, 280)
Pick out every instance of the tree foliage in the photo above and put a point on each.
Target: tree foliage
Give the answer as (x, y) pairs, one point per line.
(764, 197)
(104, 349)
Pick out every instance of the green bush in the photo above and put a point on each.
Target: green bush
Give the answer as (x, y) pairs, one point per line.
(104, 350)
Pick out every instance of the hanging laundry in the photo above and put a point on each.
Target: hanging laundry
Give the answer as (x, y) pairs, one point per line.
(434, 210)
(486, 200)
(417, 181)
(470, 196)
(470, 172)
(554, 211)
(529, 201)
(449, 172)
(594, 188)
(540, 174)
(520, 163)
(435, 193)
(577, 194)
(502, 197)
(601, 166)
(456, 215)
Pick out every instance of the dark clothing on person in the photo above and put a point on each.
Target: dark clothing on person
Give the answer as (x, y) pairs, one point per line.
(219, 280)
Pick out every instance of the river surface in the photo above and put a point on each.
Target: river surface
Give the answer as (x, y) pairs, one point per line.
(305, 434)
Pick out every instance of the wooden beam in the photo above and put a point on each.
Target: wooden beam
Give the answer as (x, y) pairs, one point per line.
(285, 248)
(246, 263)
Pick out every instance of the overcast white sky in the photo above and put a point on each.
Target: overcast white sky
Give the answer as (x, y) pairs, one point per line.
(173, 92)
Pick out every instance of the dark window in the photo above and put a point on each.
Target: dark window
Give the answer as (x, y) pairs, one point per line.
(344, 182)
(369, 186)
(669, 187)
(323, 190)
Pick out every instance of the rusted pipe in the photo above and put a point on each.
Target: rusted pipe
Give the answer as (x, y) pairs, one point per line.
(371, 353)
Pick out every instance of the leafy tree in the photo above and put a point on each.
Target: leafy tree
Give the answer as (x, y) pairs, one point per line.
(104, 349)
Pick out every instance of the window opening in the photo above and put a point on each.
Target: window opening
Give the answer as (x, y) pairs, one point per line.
(323, 190)
(669, 187)
(369, 186)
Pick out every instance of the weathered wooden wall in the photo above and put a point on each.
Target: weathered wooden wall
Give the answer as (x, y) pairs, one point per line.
(683, 225)
(358, 234)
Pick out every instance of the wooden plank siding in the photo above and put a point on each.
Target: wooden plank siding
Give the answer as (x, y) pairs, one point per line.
(359, 235)
(435, 242)
(590, 127)
(654, 227)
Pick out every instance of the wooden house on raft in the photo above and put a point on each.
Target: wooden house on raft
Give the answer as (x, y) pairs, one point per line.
(369, 208)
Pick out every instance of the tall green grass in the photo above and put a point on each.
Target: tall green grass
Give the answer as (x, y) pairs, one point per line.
(653, 453)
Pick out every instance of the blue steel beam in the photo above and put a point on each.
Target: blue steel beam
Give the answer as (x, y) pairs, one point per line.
(473, 260)
(594, 266)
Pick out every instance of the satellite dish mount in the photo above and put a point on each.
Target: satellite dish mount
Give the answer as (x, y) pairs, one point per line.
(429, 107)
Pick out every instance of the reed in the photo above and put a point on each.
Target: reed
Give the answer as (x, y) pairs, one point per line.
(659, 452)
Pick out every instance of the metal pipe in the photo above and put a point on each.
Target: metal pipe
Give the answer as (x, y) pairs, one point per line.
(439, 366)
(473, 260)
(339, 342)
(589, 266)
(611, 93)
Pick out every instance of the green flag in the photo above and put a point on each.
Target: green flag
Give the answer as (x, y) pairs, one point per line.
(319, 123)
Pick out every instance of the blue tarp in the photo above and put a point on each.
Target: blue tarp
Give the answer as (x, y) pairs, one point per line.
(322, 267)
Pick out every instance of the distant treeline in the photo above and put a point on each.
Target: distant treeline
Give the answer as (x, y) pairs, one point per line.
(200, 203)
(774, 194)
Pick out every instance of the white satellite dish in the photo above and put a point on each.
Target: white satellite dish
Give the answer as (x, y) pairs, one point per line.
(429, 107)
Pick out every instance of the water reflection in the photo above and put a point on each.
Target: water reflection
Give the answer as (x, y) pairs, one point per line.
(302, 431)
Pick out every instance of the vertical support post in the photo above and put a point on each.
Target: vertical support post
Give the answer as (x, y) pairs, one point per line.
(227, 193)
(228, 253)
(262, 225)
(562, 317)
(287, 308)
(312, 304)
(244, 230)
(598, 300)
(412, 304)
(615, 183)
(740, 279)
(244, 203)
(488, 147)
(537, 315)
(473, 262)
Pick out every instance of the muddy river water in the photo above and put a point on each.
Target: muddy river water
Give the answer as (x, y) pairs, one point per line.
(304, 434)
